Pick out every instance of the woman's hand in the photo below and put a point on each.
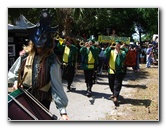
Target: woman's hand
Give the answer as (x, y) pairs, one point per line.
(64, 117)
(15, 87)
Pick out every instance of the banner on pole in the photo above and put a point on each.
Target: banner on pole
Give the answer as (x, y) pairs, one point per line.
(112, 39)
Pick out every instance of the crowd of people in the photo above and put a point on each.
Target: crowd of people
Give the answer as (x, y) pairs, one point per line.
(93, 58)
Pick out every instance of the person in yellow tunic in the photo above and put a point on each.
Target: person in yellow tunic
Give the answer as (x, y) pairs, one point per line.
(89, 61)
(116, 56)
(68, 59)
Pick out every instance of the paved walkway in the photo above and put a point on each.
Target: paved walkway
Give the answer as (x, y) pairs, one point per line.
(82, 108)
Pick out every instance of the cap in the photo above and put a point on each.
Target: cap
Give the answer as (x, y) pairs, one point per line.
(118, 42)
(91, 39)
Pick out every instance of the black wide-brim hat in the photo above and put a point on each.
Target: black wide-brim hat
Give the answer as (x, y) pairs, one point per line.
(40, 34)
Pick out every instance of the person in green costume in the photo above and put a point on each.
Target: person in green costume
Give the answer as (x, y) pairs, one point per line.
(116, 56)
(68, 60)
(89, 61)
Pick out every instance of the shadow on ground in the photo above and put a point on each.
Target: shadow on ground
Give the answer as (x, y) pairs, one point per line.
(95, 95)
(135, 86)
(136, 102)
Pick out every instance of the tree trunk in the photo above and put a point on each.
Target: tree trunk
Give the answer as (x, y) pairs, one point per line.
(140, 39)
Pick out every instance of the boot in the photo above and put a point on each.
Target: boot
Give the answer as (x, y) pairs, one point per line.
(87, 85)
(88, 94)
(90, 88)
(115, 100)
(68, 88)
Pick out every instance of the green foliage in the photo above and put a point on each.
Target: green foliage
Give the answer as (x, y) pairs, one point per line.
(95, 20)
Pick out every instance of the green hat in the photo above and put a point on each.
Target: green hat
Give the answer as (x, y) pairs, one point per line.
(91, 39)
(118, 42)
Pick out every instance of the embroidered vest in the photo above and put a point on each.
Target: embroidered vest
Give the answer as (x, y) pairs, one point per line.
(41, 83)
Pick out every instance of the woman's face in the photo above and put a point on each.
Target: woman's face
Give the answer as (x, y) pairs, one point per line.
(39, 50)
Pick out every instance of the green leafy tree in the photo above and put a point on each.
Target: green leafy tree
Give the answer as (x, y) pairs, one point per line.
(90, 21)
